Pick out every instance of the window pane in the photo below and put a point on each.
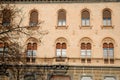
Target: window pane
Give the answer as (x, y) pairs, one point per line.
(29, 53)
(105, 52)
(109, 78)
(111, 52)
(104, 22)
(83, 53)
(109, 22)
(58, 52)
(88, 53)
(63, 52)
(86, 78)
(87, 22)
(83, 22)
(34, 53)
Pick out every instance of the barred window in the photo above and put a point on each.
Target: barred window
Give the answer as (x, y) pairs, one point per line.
(33, 18)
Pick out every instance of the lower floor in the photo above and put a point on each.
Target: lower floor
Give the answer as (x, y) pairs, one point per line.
(61, 72)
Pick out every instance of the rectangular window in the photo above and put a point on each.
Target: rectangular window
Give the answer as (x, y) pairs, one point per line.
(86, 78)
(109, 78)
(104, 22)
(83, 22)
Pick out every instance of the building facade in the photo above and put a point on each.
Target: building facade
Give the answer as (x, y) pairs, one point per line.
(82, 41)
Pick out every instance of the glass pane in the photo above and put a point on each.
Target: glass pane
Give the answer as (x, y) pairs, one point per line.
(29, 53)
(83, 53)
(64, 23)
(109, 22)
(86, 78)
(34, 53)
(58, 52)
(111, 52)
(105, 52)
(59, 23)
(83, 22)
(88, 53)
(104, 22)
(87, 22)
(63, 52)
(109, 78)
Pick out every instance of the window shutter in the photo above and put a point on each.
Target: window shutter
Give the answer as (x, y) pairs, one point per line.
(106, 14)
(34, 17)
(34, 46)
(63, 45)
(105, 45)
(85, 14)
(29, 46)
(82, 45)
(1, 45)
(6, 16)
(88, 46)
(62, 15)
(111, 45)
(58, 46)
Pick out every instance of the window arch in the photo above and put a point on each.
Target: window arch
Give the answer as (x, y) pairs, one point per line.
(108, 50)
(61, 17)
(33, 18)
(7, 15)
(31, 49)
(107, 17)
(85, 49)
(85, 15)
(61, 47)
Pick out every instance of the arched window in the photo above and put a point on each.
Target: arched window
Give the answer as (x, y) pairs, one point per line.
(31, 51)
(61, 49)
(85, 18)
(108, 50)
(33, 18)
(86, 50)
(61, 17)
(6, 17)
(106, 17)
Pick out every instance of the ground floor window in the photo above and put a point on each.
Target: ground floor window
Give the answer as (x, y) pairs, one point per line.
(57, 77)
(86, 78)
(109, 78)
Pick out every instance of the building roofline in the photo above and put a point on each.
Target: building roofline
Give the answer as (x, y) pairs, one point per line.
(57, 1)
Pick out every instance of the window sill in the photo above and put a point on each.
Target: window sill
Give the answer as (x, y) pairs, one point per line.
(107, 27)
(60, 59)
(61, 27)
(33, 27)
(85, 27)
